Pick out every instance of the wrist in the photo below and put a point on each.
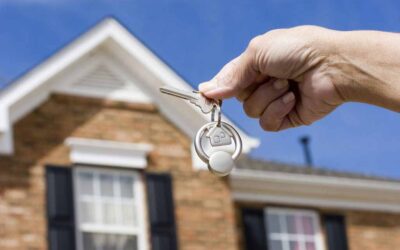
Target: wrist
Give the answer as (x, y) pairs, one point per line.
(364, 67)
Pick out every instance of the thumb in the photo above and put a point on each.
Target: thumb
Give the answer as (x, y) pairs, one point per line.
(233, 77)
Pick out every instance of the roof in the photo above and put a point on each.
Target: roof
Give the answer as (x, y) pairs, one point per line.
(247, 163)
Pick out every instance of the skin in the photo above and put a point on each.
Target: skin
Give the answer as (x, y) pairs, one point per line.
(292, 77)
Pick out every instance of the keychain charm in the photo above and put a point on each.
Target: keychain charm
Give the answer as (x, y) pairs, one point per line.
(220, 162)
(219, 133)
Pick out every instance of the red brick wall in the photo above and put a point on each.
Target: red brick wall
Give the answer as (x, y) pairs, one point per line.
(204, 210)
(373, 231)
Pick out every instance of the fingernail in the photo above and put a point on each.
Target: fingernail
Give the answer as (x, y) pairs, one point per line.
(288, 98)
(280, 84)
(207, 86)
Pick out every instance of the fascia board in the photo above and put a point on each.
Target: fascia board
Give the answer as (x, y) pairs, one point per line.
(265, 176)
(315, 190)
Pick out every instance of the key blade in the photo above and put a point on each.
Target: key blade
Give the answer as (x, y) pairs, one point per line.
(194, 97)
(188, 95)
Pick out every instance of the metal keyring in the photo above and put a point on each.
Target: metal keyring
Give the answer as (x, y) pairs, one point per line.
(199, 148)
(217, 108)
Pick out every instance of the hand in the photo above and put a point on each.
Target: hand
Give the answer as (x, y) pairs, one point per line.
(284, 78)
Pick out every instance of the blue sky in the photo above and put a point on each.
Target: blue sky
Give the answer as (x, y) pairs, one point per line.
(197, 37)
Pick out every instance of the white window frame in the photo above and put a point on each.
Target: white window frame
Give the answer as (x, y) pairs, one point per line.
(140, 231)
(318, 238)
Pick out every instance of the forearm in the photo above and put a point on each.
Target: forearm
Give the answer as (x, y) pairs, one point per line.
(366, 66)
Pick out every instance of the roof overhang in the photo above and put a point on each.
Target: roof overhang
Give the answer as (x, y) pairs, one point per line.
(34, 87)
(315, 191)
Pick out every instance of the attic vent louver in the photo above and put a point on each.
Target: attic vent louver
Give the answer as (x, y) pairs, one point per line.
(101, 77)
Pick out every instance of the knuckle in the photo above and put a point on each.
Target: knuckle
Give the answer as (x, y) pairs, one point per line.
(276, 32)
(303, 27)
(297, 121)
(255, 43)
(306, 28)
(309, 34)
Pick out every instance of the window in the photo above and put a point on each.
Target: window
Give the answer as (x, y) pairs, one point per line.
(290, 229)
(108, 206)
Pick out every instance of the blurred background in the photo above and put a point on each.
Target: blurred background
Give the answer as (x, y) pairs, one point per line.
(196, 38)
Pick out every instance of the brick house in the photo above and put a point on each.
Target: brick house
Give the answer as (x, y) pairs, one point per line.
(94, 157)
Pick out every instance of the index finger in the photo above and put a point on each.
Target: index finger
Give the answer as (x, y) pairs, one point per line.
(233, 77)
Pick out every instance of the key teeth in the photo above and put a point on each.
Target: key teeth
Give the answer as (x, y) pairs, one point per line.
(205, 109)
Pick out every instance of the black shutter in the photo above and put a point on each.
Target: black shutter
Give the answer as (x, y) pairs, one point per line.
(161, 212)
(60, 208)
(254, 229)
(335, 229)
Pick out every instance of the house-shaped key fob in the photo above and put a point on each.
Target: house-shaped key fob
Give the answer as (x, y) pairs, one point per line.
(219, 136)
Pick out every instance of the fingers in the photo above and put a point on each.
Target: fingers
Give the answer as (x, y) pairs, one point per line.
(233, 77)
(248, 91)
(265, 94)
(274, 117)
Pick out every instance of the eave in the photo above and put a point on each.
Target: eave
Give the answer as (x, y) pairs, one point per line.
(315, 191)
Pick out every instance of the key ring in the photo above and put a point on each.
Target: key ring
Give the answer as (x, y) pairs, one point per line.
(217, 108)
(236, 139)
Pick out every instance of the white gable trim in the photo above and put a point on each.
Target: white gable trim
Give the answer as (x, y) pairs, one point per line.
(317, 191)
(33, 88)
(108, 153)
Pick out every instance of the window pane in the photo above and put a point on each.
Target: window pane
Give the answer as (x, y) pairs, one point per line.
(95, 241)
(310, 246)
(127, 242)
(85, 183)
(126, 183)
(106, 185)
(111, 242)
(128, 214)
(88, 242)
(109, 213)
(87, 212)
(275, 245)
(308, 227)
(273, 225)
(294, 245)
(291, 224)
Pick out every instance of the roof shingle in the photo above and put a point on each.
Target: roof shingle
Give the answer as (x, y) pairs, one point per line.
(270, 166)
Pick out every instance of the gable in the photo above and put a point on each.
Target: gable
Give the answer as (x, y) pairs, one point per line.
(106, 62)
(100, 75)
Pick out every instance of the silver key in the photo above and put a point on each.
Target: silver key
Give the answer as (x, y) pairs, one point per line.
(205, 104)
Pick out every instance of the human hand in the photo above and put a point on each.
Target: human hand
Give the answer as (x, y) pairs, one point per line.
(284, 78)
